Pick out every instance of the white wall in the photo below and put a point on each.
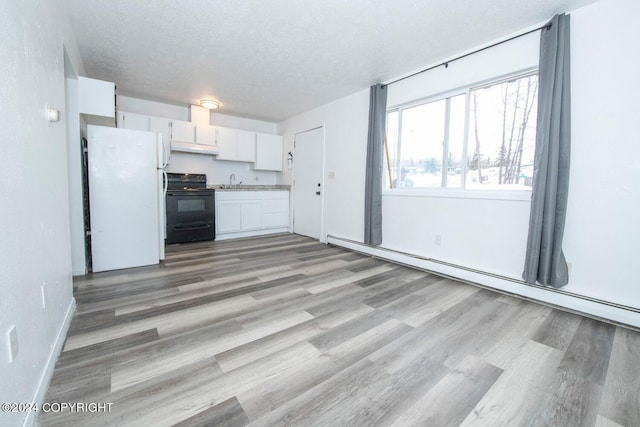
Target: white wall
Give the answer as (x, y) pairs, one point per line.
(218, 171)
(481, 232)
(602, 237)
(345, 124)
(151, 108)
(516, 55)
(74, 170)
(224, 120)
(409, 223)
(34, 219)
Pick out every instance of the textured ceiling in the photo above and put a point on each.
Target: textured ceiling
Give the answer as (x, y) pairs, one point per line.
(273, 59)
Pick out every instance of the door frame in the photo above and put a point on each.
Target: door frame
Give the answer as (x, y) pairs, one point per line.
(323, 237)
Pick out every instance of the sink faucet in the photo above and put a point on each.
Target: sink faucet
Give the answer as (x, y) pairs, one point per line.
(232, 179)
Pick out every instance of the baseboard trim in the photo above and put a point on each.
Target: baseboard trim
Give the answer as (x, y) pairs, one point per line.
(240, 234)
(582, 305)
(47, 373)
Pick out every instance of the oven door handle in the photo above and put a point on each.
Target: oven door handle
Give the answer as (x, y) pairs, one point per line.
(191, 227)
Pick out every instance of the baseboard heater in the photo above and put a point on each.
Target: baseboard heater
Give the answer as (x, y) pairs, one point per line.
(582, 304)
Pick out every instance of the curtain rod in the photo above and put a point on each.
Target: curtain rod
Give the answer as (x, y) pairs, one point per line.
(446, 63)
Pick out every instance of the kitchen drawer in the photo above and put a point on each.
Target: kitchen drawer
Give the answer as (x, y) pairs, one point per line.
(275, 206)
(275, 220)
(239, 195)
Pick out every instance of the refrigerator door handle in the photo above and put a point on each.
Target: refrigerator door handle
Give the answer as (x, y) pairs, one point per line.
(165, 151)
(165, 183)
(163, 154)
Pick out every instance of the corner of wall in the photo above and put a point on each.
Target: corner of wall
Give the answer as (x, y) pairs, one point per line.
(47, 373)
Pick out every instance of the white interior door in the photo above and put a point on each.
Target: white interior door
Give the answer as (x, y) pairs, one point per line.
(308, 164)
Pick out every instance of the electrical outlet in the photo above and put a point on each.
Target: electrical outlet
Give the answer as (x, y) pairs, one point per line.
(43, 290)
(12, 343)
(437, 240)
(332, 175)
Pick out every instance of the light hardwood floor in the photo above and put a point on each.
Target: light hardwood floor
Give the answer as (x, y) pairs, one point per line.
(282, 330)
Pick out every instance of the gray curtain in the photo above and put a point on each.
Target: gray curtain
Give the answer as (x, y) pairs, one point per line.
(545, 262)
(375, 159)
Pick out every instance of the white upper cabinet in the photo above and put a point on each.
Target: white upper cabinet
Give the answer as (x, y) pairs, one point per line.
(226, 139)
(183, 131)
(159, 125)
(191, 138)
(162, 126)
(236, 145)
(133, 121)
(246, 146)
(264, 150)
(97, 97)
(269, 152)
(206, 135)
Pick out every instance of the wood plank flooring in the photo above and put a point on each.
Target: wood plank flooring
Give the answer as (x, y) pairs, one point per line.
(283, 330)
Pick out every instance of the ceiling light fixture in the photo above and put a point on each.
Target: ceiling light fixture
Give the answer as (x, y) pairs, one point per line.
(210, 104)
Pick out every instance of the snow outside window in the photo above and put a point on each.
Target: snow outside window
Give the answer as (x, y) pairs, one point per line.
(481, 138)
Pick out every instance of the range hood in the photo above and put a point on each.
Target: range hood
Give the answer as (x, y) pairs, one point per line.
(189, 147)
(202, 130)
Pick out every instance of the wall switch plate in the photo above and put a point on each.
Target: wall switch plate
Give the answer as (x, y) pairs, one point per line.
(437, 240)
(12, 343)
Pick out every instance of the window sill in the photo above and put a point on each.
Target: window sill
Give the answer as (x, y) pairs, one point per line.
(449, 193)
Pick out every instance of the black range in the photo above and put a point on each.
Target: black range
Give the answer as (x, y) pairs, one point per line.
(190, 208)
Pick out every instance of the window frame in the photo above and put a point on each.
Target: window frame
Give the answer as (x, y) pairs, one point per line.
(443, 190)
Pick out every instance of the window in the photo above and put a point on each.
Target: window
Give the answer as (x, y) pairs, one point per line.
(428, 147)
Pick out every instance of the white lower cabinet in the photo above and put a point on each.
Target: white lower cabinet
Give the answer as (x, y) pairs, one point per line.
(228, 216)
(275, 212)
(251, 213)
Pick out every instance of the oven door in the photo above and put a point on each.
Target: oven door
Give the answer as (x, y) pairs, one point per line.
(190, 216)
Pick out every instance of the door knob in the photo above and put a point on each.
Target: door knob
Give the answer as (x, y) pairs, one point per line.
(317, 193)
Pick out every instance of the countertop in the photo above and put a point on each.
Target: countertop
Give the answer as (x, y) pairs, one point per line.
(221, 187)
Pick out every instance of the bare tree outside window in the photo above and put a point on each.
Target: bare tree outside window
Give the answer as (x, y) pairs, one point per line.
(503, 125)
(428, 146)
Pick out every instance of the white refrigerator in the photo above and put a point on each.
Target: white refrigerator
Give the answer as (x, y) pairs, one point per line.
(126, 197)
